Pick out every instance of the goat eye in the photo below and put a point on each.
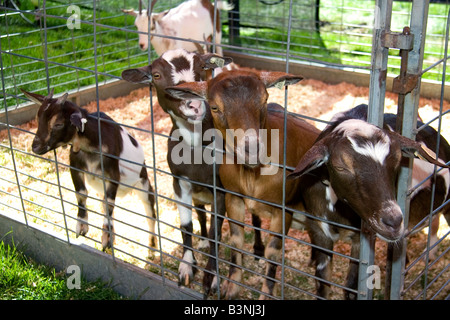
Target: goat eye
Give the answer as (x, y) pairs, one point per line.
(58, 126)
(340, 169)
(156, 76)
(214, 108)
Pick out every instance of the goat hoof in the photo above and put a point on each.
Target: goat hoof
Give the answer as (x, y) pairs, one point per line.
(186, 269)
(82, 229)
(229, 291)
(186, 274)
(107, 241)
(203, 245)
(186, 278)
(209, 284)
(106, 246)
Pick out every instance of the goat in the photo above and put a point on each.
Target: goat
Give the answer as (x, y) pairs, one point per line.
(238, 102)
(420, 196)
(349, 175)
(61, 122)
(193, 20)
(190, 121)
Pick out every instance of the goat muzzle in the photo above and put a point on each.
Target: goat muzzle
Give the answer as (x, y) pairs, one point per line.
(193, 111)
(38, 147)
(390, 226)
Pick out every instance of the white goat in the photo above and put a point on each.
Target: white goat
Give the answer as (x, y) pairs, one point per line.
(191, 20)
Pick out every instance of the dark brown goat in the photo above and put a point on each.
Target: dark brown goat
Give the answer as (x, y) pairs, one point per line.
(350, 175)
(254, 135)
(61, 122)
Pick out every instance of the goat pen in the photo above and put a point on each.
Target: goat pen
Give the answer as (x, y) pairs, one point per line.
(82, 48)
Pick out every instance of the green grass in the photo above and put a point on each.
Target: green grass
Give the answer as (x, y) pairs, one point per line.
(21, 278)
(345, 36)
(72, 62)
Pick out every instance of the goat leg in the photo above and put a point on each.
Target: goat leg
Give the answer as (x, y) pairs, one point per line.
(210, 280)
(81, 195)
(236, 211)
(108, 225)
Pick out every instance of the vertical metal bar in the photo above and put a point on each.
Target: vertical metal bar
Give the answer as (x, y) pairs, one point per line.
(48, 90)
(383, 14)
(213, 219)
(100, 143)
(418, 25)
(366, 259)
(283, 236)
(382, 23)
(155, 184)
(5, 106)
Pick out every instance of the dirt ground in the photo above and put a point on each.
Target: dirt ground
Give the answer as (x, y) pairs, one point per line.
(39, 188)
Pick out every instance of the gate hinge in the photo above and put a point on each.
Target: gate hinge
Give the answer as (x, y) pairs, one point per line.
(397, 40)
(404, 84)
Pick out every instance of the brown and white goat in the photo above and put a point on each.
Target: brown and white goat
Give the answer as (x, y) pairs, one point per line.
(192, 131)
(61, 122)
(238, 101)
(191, 20)
(350, 175)
(423, 179)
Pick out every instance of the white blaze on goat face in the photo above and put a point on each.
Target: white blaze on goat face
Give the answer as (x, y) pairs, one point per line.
(378, 150)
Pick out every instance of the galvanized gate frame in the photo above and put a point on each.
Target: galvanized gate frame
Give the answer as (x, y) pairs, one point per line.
(407, 85)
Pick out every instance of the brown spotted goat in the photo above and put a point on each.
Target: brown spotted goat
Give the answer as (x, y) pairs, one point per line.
(350, 175)
(254, 137)
(190, 139)
(61, 122)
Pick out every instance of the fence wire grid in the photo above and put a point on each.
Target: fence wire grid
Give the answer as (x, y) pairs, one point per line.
(40, 52)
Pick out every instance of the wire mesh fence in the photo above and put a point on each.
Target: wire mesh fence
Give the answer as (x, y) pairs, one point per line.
(39, 51)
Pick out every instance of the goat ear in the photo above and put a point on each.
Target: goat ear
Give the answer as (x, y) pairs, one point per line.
(130, 12)
(213, 61)
(278, 79)
(411, 148)
(139, 75)
(312, 159)
(37, 98)
(61, 100)
(50, 94)
(78, 121)
(189, 91)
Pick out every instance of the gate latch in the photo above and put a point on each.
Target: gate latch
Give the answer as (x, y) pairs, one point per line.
(404, 41)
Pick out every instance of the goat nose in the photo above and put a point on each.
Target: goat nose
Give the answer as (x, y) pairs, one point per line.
(192, 106)
(36, 143)
(38, 147)
(142, 46)
(393, 220)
